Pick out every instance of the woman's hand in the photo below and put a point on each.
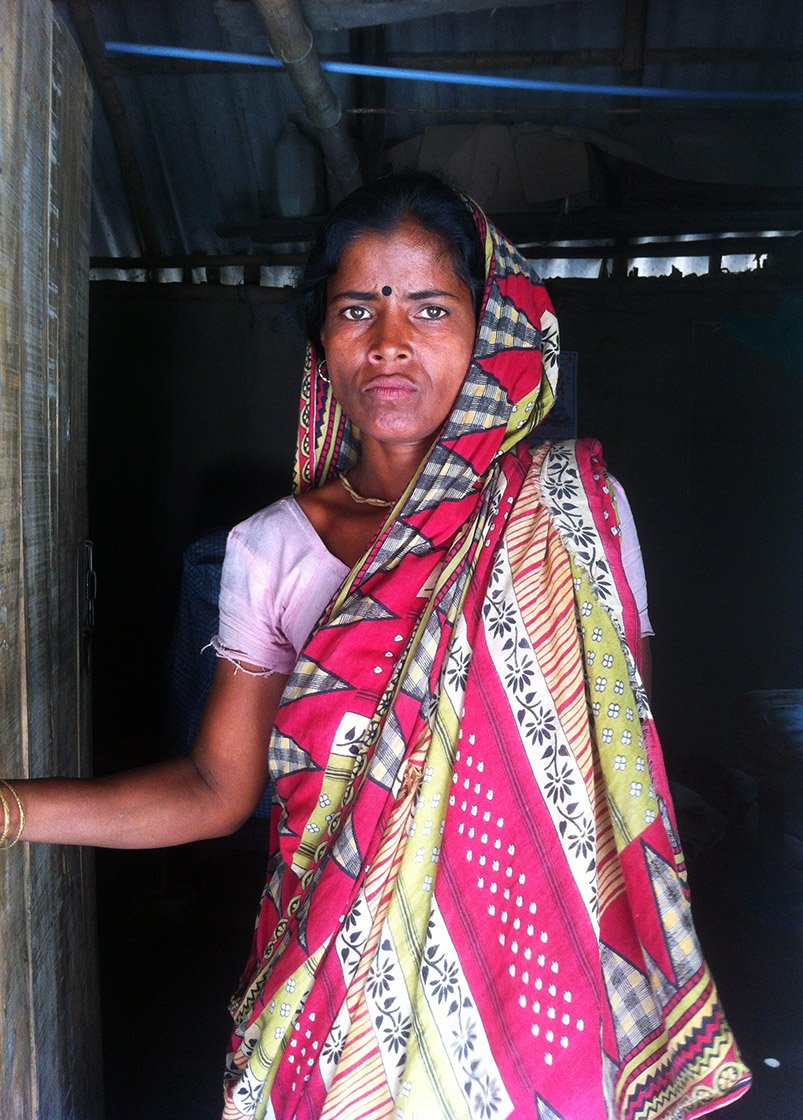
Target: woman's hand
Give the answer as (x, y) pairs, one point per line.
(209, 793)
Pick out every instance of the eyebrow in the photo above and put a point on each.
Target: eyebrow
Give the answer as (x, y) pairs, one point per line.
(362, 297)
(432, 293)
(366, 297)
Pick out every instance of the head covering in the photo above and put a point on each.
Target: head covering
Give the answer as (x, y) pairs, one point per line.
(477, 889)
(509, 388)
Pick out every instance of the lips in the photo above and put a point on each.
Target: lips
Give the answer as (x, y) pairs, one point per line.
(390, 385)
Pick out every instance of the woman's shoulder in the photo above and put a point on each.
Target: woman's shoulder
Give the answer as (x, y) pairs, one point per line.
(280, 523)
(277, 578)
(280, 536)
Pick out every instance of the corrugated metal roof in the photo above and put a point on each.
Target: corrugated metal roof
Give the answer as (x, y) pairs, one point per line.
(204, 137)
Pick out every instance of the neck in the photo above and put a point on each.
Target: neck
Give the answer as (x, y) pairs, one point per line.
(384, 472)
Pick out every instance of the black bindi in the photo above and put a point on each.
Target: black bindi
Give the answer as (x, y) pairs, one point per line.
(387, 290)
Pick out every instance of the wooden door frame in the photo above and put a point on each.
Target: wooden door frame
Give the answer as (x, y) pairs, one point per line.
(50, 1066)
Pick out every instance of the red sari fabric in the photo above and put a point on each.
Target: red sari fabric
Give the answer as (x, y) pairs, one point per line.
(478, 905)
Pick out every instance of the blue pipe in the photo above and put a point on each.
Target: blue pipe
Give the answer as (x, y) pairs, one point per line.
(447, 77)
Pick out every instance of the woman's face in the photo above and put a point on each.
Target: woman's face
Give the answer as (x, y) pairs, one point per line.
(398, 335)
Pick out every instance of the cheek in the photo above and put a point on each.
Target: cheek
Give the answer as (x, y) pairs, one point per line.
(340, 339)
(332, 352)
(339, 362)
(341, 378)
(461, 355)
(329, 331)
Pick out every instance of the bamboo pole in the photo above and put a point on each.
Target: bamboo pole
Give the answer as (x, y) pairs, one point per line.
(291, 41)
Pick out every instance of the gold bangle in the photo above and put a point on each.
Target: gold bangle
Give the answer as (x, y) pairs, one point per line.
(6, 821)
(18, 800)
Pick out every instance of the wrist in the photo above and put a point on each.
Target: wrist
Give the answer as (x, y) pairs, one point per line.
(13, 815)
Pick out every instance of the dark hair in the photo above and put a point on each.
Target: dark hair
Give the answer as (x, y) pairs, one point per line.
(380, 207)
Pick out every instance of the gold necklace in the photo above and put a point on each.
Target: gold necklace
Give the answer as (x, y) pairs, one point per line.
(352, 493)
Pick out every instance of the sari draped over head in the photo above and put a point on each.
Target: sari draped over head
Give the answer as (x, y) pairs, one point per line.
(477, 905)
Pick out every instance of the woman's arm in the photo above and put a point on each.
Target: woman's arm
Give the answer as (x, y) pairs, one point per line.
(211, 792)
(634, 573)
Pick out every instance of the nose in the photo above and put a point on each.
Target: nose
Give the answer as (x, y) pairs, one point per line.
(390, 341)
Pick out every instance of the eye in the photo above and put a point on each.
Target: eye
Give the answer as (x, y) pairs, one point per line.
(433, 311)
(355, 313)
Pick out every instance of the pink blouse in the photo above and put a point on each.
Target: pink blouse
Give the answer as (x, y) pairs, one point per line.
(278, 577)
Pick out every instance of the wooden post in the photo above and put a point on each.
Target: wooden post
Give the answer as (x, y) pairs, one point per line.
(49, 1025)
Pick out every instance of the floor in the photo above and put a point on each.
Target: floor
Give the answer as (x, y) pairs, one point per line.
(175, 927)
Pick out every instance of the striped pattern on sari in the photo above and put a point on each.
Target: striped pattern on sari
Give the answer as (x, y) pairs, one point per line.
(477, 906)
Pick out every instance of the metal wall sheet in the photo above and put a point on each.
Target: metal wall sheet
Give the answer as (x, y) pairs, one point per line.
(204, 140)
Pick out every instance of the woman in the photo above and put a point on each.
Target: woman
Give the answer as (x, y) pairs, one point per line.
(477, 906)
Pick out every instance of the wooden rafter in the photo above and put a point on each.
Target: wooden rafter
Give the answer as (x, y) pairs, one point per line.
(102, 74)
(633, 49)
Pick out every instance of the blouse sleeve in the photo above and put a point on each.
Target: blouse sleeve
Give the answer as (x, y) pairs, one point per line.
(631, 556)
(248, 629)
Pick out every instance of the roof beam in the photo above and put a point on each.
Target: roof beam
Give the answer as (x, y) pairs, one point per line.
(101, 72)
(291, 41)
(543, 250)
(548, 225)
(367, 45)
(635, 32)
(633, 51)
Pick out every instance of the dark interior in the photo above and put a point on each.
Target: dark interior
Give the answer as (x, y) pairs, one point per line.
(691, 380)
(192, 416)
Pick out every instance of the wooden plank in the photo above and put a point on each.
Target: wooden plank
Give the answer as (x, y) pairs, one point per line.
(73, 1080)
(17, 1084)
(49, 1052)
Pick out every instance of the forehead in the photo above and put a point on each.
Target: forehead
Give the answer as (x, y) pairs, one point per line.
(405, 252)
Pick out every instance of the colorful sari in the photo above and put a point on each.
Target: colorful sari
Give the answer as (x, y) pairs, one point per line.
(477, 905)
